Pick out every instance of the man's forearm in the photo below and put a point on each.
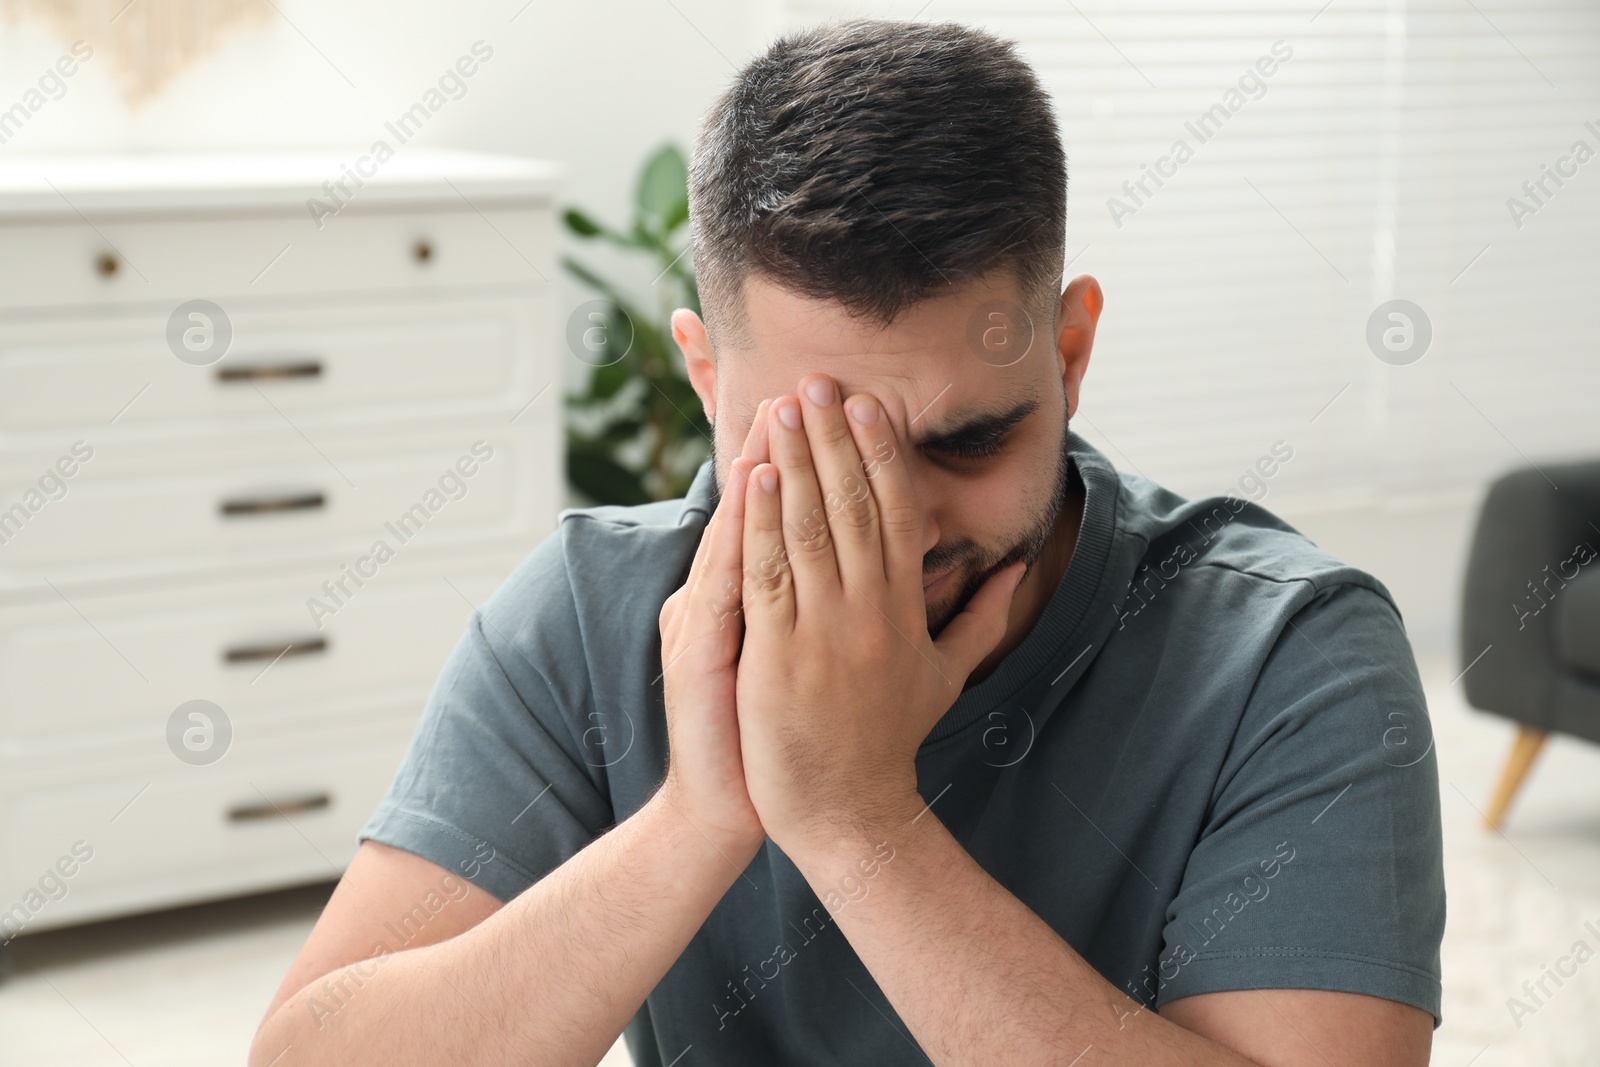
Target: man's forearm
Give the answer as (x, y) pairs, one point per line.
(553, 977)
(974, 973)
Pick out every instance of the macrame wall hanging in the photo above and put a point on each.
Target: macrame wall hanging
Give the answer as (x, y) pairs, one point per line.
(145, 42)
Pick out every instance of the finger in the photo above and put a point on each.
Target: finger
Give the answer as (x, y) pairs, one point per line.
(847, 503)
(667, 620)
(702, 550)
(768, 576)
(889, 477)
(805, 524)
(755, 441)
(704, 614)
(671, 609)
(755, 449)
(723, 594)
(981, 625)
(719, 587)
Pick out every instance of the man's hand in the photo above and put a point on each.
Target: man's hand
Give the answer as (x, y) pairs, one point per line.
(839, 682)
(701, 629)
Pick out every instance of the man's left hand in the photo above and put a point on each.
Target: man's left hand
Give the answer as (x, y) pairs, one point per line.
(838, 680)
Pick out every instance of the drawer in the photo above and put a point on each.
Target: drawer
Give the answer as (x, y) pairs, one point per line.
(282, 361)
(165, 261)
(105, 672)
(275, 811)
(221, 502)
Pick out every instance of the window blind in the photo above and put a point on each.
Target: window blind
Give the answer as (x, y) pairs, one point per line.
(1378, 160)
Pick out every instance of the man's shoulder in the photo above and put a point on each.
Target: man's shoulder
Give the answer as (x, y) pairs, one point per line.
(603, 564)
(1229, 538)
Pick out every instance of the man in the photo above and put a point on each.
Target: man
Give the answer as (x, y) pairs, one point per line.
(981, 751)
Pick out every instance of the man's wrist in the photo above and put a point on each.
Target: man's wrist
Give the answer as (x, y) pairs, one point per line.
(737, 846)
(833, 844)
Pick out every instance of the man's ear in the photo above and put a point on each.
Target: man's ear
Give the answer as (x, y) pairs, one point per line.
(1077, 317)
(698, 359)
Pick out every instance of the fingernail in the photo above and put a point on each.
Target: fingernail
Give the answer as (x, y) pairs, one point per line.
(789, 413)
(864, 410)
(768, 479)
(820, 391)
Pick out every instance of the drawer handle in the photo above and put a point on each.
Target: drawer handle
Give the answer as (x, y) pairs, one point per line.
(281, 809)
(260, 505)
(256, 372)
(303, 647)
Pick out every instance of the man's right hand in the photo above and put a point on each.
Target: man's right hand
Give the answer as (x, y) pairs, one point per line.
(702, 629)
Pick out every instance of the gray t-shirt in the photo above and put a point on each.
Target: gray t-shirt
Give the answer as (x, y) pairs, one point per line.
(1208, 767)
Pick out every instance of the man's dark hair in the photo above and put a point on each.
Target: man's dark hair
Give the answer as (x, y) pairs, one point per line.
(874, 163)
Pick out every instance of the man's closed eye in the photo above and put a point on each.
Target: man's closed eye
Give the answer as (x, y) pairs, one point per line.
(972, 451)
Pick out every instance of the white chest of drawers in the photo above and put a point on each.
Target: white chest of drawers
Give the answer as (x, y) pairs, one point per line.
(294, 531)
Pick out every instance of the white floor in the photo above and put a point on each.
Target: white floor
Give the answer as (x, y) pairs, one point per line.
(187, 987)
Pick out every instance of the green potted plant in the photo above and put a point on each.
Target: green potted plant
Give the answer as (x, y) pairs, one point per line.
(637, 433)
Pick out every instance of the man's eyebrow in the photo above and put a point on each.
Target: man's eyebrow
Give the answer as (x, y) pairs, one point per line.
(975, 429)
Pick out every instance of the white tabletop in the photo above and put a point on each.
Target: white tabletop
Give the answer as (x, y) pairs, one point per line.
(39, 186)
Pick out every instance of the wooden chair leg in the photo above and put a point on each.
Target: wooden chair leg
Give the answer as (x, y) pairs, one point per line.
(1523, 750)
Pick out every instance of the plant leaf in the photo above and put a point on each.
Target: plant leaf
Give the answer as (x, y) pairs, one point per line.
(641, 323)
(581, 224)
(609, 379)
(644, 396)
(621, 431)
(602, 479)
(663, 195)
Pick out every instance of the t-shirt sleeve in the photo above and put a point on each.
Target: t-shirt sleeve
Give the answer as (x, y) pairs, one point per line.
(494, 785)
(1321, 863)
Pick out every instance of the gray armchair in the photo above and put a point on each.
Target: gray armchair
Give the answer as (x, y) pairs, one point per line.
(1532, 600)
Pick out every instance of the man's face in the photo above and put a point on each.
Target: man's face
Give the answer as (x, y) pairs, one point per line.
(954, 382)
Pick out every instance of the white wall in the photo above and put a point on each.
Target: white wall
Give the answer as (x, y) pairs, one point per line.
(1366, 150)
(597, 85)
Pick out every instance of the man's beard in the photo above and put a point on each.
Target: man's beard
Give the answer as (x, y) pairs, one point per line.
(1027, 547)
